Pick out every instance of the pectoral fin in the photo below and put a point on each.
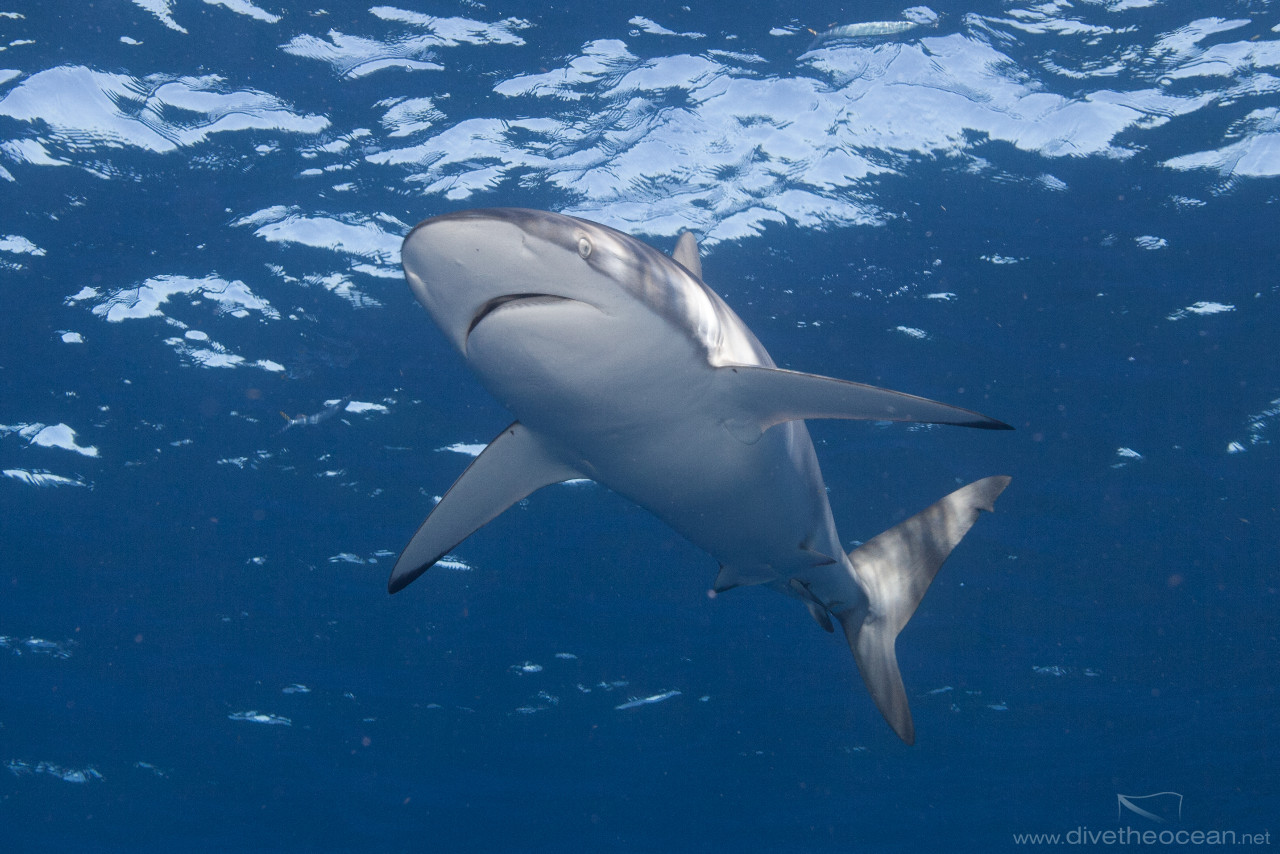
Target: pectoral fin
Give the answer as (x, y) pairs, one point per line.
(511, 467)
(761, 397)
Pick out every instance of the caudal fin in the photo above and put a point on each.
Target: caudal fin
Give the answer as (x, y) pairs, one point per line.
(895, 569)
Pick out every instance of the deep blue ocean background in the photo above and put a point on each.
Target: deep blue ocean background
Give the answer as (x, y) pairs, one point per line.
(1064, 215)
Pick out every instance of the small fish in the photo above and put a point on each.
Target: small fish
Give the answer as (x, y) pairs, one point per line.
(260, 718)
(42, 478)
(318, 418)
(644, 701)
(864, 30)
(869, 29)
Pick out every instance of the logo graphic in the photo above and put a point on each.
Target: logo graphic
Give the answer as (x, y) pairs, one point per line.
(1162, 807)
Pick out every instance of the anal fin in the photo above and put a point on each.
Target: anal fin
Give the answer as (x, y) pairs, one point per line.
(817, 610)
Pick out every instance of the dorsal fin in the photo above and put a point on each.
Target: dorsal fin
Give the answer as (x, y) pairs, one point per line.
(686, 253)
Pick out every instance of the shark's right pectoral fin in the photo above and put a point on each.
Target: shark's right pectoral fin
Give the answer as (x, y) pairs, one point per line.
(895, 569)
(511, 467)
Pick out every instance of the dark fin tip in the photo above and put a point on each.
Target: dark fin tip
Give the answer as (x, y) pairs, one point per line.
(400, 580)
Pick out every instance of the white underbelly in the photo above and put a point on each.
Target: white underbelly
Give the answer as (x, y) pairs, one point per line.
(644, 421)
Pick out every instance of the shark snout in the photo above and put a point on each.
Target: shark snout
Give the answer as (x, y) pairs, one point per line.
(468, 267)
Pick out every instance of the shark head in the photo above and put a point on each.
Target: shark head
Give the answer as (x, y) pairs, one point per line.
(474, 267)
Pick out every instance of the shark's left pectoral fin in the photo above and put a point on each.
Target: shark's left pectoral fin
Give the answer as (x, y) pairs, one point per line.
(511, 467)
(761, 397)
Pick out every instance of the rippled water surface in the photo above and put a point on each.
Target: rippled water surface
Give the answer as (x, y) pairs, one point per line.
(222, 415)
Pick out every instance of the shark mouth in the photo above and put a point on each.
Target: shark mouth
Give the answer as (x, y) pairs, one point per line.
(510, 300)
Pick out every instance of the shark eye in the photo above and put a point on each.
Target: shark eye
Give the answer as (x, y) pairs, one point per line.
(584, 247)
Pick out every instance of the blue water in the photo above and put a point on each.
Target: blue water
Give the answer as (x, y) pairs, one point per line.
(1064, 216)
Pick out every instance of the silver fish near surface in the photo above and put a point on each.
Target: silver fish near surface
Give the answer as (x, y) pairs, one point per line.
(330, 410)
(867, 29)
(622, 366)
(636, 703)
(859, 33)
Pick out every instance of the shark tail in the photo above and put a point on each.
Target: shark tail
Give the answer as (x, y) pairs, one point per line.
(894, 570)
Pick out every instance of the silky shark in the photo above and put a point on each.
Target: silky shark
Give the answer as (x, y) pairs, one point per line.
(623, 367)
